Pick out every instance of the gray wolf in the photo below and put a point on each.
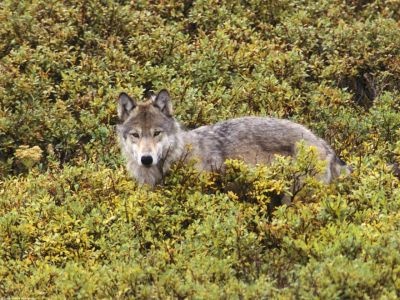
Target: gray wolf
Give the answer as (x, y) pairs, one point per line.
(151, 140)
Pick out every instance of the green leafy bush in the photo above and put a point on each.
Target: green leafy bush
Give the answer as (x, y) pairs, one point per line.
(73, 224)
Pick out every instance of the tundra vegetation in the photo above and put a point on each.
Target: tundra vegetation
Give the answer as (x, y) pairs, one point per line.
(74, 225)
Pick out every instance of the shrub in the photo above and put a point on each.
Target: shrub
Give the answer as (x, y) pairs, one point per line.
(72, 224)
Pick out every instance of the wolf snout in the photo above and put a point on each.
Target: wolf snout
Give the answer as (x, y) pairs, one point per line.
(146, 160)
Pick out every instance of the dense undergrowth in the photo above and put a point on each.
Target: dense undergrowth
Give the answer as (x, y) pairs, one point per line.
(73, 224)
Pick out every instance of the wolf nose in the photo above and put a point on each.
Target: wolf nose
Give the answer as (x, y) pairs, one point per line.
(146, 160)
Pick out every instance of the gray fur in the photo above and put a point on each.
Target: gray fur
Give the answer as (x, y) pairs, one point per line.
(150, 130)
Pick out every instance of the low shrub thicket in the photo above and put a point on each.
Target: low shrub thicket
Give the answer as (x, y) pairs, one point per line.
(72, 224)
(91, 232)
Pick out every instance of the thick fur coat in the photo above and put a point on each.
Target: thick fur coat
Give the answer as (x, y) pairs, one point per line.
(151, 140)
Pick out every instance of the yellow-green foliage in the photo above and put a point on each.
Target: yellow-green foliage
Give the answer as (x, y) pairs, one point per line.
(72, 224)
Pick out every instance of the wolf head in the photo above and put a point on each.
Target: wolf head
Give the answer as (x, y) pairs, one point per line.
(148, 133)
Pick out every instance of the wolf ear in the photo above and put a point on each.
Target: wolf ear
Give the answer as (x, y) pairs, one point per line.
(125, 105)
(163, 102)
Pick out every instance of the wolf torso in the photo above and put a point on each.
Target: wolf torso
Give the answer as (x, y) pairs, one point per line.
(255, 140)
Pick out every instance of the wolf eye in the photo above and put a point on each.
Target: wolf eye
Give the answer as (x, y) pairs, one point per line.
(135, 135)
(157, 133)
